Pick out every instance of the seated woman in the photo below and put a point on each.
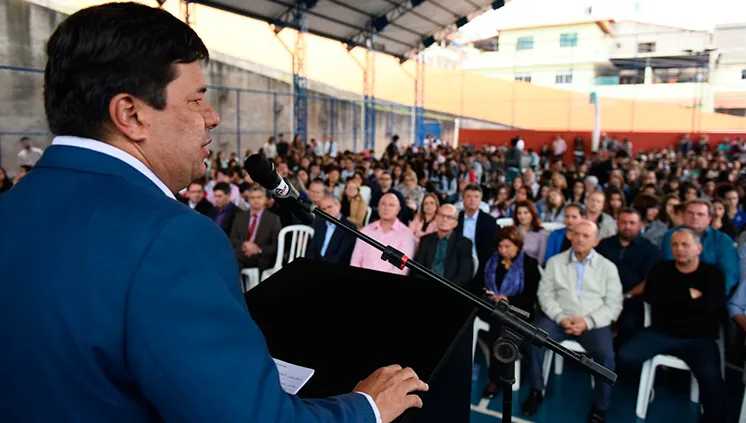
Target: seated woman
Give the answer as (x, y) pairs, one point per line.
(424, 222)
(526, 219)
(513, 275)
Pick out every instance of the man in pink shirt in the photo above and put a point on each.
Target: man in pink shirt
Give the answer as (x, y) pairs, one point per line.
(388, 230)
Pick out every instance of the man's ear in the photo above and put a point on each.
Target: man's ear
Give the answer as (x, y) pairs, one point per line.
(128, 115)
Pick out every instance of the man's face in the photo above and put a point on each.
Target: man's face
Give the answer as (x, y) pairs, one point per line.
(595, 202)
(684, 248)
(330, 206)
(731, 199)
(697, 217)
(282, 169)
(257, 200)
(385, 181)
(446, 219)
(221, 199)
(315, 192)
(649, 178)
(472, 200)
(388, 207)
(175, 139)
(629, 226)
(584, 238)
(195, 193)
(572, 216)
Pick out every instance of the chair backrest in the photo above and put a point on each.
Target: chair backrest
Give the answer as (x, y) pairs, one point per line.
(476, 265)
(367, 216)
(505, 221)
(647, 315)
(300, 236)
(551, 226)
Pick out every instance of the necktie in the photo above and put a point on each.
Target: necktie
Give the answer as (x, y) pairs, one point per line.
(252, 226)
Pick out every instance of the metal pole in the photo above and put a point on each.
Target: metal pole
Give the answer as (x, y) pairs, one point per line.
(274, 115)
(238, 123)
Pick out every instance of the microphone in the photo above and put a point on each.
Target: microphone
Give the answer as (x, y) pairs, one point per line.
(263, 172)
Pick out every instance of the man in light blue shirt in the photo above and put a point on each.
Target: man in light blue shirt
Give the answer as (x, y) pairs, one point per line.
(329, 243)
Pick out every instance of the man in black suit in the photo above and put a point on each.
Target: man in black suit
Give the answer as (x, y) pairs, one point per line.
(196, 200)
(330, 243)
(479, 227)
(225, 211)
(447, 252)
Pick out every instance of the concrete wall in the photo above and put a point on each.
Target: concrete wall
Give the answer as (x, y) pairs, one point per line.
(265, 100)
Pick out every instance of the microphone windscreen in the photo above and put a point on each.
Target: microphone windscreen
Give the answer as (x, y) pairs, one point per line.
(261, 171)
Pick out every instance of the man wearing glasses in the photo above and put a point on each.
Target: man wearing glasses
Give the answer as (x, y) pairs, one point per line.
(446, 252)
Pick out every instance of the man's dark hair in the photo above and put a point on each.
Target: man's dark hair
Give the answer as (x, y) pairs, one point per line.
(473, 187)
(224, 187)
(105, 50)
(631, 210)
(577, 206)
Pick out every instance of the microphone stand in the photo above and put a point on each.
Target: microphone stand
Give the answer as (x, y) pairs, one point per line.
(515, 331)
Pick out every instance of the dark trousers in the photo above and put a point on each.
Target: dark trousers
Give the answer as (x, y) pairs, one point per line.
(701, 355)
(599, 345)
(630, 322)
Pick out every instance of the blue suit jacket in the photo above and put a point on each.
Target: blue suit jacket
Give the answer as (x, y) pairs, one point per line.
(340, 245)
(120, 304)
(554, 243)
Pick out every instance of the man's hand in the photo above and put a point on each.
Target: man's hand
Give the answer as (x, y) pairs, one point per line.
(250, 249)
(566, 323)
(637, 290)
(740, 320)
(578, 326)
(390, 387)
(496, 298)
(695, 293)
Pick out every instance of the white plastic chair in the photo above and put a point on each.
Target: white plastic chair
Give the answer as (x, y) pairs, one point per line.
(552, 226)
(647, 376)
(367, 216)
(559, 361)
(505, 221)
(480, 324)
(300, 236)
(250, 278)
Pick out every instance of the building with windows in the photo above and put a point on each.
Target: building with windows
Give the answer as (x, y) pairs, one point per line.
(625, 59)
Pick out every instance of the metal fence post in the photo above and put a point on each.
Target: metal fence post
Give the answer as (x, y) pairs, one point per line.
(274, 115)
(238, 123)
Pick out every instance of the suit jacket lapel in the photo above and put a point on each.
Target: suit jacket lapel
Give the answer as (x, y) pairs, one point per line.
(449, 252)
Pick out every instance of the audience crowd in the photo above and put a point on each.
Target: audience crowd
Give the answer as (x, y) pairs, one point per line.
(588, 246)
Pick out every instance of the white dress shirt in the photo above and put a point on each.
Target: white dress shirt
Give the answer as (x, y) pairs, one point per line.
(112, 151)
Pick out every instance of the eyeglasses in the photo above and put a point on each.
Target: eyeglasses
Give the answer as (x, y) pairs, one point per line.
(446, 216)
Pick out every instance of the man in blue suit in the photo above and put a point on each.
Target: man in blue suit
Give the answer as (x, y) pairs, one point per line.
(136, 312)
(330, 243)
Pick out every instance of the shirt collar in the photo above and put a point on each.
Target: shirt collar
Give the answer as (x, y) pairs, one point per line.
(109, 150)
(587, 260)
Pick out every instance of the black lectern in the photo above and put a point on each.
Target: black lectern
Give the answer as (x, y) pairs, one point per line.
(346, 322)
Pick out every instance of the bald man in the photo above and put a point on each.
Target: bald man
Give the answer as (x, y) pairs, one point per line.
(388, 230)
(445, 251)
(580, 294)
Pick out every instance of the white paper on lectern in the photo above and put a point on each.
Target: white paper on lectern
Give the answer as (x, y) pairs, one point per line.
(292, 377)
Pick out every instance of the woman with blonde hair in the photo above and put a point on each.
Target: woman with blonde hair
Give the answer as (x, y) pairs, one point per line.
(353, 205)
(424, 222)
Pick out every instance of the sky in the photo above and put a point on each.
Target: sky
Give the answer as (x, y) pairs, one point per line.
(693, 14)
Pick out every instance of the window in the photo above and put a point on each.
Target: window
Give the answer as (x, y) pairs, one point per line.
(569, 39)
(563, 78)
(525, 77)
(525, 43)
(646, 48)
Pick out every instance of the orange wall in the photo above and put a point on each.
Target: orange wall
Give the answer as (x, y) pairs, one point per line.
(537, 139)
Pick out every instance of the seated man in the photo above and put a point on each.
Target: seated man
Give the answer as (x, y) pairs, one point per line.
(388, 230)
(686, 302)
(580, 296)
(254, 233)
(445, 251)
(633, 256)
(717, 247)
(330, 243)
